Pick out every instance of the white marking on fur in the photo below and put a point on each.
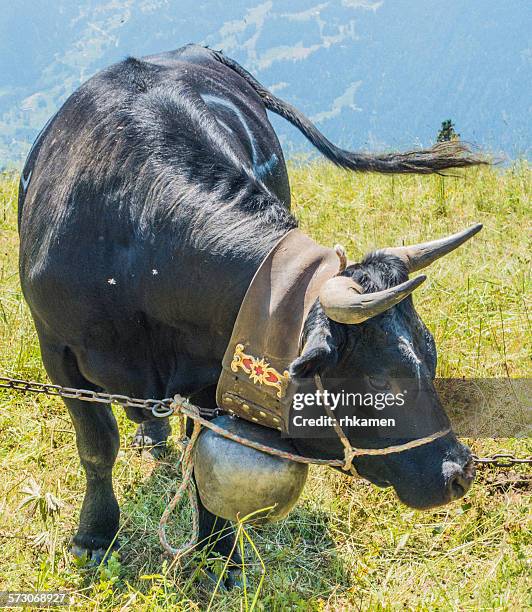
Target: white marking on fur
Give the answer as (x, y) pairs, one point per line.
(267, 166)
(224, 125)
(36, 141)
(450, 468)
(260, 169)
(408, 350)
(25, 181)
(111, 281)
(155, 272)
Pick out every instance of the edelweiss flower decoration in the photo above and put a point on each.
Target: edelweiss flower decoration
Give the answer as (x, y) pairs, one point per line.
(259, 371)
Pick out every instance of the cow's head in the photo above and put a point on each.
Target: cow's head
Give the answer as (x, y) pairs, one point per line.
(365, 327)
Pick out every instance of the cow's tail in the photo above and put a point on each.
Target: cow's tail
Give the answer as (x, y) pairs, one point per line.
(444, 155)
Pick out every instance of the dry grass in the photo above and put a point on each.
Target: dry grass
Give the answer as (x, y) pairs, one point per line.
(347, 545)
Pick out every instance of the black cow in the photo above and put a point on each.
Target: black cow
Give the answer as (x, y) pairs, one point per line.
(146, 205)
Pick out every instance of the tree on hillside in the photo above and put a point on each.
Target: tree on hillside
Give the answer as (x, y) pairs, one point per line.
(447, 132)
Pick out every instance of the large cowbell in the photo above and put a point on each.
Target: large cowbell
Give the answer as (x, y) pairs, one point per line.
(235, 481)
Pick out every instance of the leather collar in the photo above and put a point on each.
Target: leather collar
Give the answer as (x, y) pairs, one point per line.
(255, 384)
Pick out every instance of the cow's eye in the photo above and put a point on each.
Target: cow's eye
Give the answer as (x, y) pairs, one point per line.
(378, 383)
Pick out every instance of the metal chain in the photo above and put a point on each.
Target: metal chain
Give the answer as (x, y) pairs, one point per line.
(159, 408)
(502, 460)
(167, 407)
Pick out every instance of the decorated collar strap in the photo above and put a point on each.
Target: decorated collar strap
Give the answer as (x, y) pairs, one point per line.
(255, 383)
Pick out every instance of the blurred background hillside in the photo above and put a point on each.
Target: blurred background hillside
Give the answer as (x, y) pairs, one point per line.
(372, 74)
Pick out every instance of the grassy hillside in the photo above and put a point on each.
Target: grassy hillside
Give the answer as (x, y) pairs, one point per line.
(347, 544)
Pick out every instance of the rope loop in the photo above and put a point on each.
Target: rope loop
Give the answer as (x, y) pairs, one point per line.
(187, 485)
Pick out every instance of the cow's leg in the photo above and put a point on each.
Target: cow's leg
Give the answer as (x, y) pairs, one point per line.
(153, 434)
(217, 535)
(97, 441)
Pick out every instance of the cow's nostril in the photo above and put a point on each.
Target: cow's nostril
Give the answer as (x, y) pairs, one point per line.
(459, 478)
(456, 487)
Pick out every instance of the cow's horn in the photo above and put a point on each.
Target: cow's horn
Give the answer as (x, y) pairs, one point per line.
(343, 301)
(419, 256)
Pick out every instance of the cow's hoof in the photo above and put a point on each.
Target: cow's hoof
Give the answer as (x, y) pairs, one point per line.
(90, 557)
(152, 436)
(91, 550)
(233, 579)
(210, 581)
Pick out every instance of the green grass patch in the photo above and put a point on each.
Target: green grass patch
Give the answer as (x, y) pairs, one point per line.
(347, 545)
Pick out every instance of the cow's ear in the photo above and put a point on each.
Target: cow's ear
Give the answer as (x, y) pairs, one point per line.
(320, 352)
